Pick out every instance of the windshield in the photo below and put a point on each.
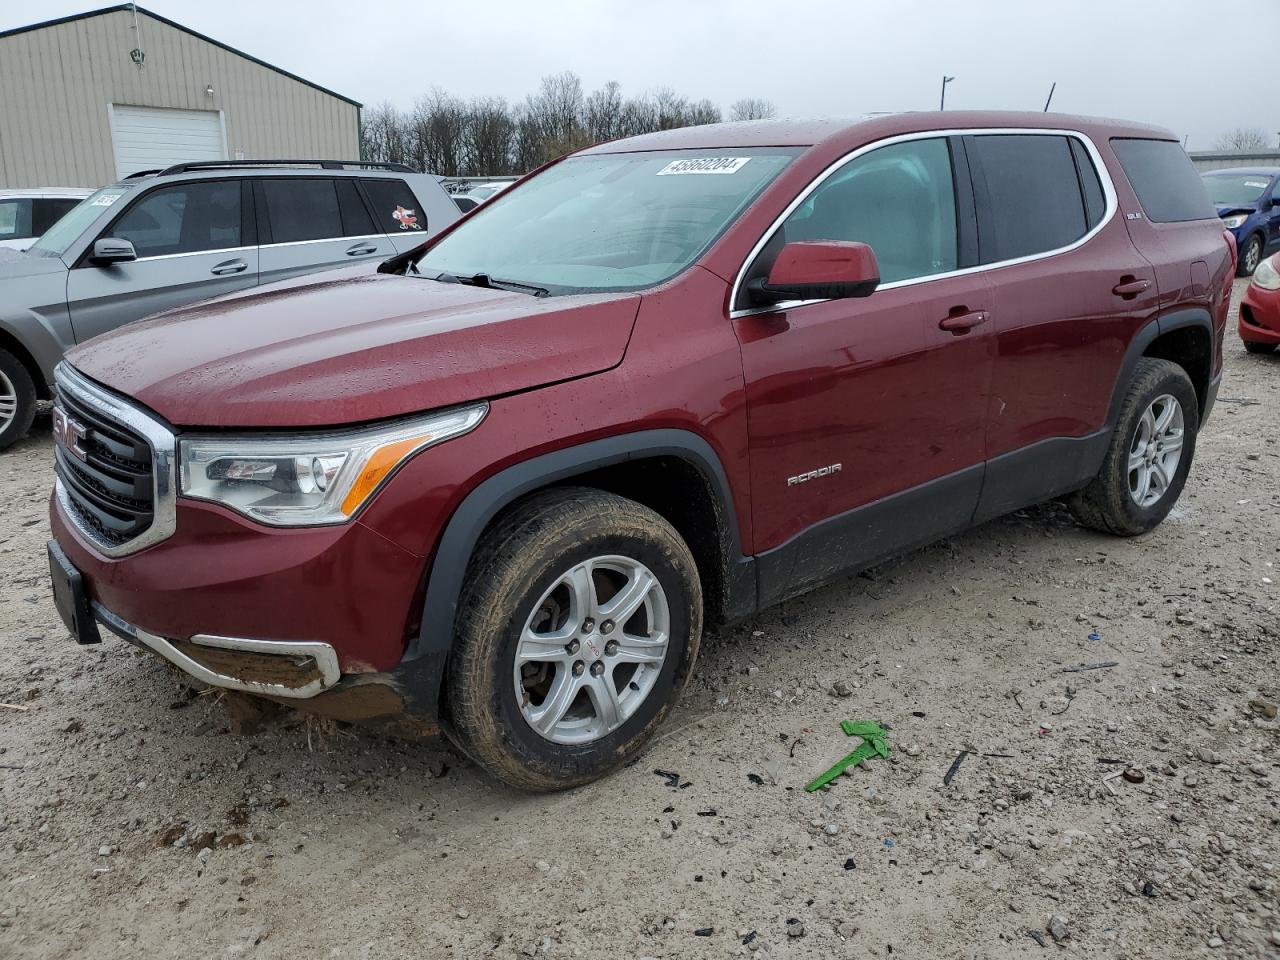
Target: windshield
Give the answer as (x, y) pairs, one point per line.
(1235, 190)
(621, 221)
(59, 238)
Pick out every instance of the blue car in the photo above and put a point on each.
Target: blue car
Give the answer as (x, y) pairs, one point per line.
(1248, 201)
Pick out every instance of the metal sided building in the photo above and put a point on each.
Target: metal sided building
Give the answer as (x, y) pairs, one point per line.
(88, 99)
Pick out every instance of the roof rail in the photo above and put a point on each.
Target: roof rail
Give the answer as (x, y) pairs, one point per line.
(142, 173)
(323, 164)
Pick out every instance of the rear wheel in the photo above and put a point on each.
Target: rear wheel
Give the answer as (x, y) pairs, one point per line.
(17, 399)
(1254, 347)
(1250, 256)
(1149, 456)
(577, 629)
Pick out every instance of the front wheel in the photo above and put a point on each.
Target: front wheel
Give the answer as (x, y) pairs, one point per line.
(1149, 455)
(1253, 346)
(578, 626)
(17, 399)
(1250, 256)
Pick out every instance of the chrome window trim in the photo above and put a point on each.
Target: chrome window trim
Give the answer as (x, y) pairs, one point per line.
(259, 246)
(1104, 177)
(325, 656)
(163, 464)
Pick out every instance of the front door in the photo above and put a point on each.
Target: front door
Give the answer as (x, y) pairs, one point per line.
(192, 243)
(867, 416)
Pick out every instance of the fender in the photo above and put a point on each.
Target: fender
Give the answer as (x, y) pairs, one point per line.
(421, 671)
(1174, 320)
(36, 334)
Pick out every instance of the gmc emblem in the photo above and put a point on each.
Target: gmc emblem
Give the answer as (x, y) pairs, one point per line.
(68, 433)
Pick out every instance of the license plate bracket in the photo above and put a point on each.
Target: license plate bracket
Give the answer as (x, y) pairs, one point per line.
(71, 598)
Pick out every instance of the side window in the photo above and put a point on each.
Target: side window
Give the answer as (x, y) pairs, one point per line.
(15, 219)
(356, 221)
(46, 212)
(394, 207)
(1164, 179)
(186, 218)
(302, 208)
(1095, 201)
(1034, 199)
(899, 200)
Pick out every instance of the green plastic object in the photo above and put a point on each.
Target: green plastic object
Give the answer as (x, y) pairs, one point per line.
(873, 744)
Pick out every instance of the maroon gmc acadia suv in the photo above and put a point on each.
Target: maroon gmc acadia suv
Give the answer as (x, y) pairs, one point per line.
(500, 483)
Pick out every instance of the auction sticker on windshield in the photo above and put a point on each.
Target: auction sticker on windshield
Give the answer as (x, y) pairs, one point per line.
(704, 165)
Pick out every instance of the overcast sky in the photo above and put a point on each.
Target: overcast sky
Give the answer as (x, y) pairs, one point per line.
(1163, 61)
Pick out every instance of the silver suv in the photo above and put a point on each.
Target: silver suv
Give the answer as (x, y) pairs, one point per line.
(165, 238)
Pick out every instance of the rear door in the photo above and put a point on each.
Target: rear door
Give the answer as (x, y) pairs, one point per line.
(194, 240)
(1070, 291)
(315, 223)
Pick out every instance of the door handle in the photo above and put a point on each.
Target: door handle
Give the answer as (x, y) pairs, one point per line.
(229, 266)
(958, 323)
(1129, 287)
(361, 250)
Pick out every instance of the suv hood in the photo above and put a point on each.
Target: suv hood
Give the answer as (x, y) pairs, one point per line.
(1237, 208)
(348, 346)
(19, 263)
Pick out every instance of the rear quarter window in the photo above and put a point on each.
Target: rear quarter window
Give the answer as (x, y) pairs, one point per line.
(395, 209)
(1164, 179)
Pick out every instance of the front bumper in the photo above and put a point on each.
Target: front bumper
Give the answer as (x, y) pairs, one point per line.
(1259, 319)
(344, 587)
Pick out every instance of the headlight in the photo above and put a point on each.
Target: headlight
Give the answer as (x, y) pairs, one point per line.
(1266, 276)
(1235, 220)
(300, 480)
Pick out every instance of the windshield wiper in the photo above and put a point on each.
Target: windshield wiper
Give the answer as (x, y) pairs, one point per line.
(489, 283)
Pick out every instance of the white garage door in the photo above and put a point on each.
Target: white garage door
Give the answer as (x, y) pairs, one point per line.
(149, 137)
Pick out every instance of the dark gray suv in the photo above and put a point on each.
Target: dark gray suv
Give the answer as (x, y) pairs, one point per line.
(166, 238)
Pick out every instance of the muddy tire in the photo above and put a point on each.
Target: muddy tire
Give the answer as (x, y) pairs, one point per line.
(577, 628)
(1149, 455)
(17, 399)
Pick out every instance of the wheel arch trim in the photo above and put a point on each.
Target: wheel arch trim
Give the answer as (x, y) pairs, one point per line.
(448, 566)
(1177, 319)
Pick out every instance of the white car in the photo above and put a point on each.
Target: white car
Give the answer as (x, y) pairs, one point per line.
(26, 214)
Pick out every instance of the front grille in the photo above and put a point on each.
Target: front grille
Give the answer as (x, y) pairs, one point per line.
(111, 491)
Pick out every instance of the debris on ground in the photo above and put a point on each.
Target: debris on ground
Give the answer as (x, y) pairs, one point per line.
(873, 744)
(955, 765)
(1091, 666)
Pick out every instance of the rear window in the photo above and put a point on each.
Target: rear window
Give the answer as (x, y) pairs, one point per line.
(1034, 198)
(1164, 179)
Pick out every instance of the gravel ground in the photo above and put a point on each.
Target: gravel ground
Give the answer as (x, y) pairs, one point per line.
(134, 822)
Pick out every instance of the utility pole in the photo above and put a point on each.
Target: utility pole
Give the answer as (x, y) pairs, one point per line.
(942, 105)
(1050, 100)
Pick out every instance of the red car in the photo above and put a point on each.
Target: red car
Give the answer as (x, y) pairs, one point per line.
(1260, 308)
(502, 483)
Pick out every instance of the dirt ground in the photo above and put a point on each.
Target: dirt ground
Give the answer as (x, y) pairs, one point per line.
(133, 823)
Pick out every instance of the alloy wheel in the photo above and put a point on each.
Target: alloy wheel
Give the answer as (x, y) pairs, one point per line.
(1156, 450)
(8, 401)
(1252, 255)
(592, 649)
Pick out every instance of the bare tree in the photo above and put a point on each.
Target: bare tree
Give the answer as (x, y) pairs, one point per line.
(752, 108)
(1244, 140)
(603, 114)
(487, 136)
(384, 135)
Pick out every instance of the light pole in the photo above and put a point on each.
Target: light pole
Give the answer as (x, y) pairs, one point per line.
(942, 105)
